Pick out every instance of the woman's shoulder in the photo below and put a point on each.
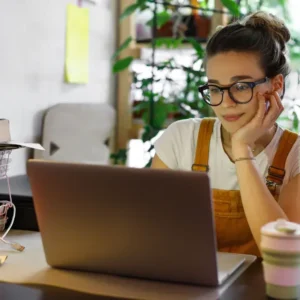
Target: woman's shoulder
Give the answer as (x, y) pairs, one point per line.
(175, 145)
(294, 142)
(291, 137)
(293, 151)
(187, 124)
(184, 123)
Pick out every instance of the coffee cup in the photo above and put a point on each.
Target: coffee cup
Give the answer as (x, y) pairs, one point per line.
(280, 246)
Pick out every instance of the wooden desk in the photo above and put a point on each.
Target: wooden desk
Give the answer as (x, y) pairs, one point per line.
(9, 291)
(250, 285)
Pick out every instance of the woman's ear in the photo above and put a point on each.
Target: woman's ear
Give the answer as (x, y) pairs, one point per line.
(278, 84)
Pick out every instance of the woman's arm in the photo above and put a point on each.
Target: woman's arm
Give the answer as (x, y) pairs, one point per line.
(259, 205)
(289, 199)
(157, 163)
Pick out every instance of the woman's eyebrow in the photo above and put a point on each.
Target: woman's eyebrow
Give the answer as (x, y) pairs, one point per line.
(240, 77)
(232, 79)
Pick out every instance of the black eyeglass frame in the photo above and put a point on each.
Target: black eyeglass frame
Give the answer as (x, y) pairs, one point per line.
(252, 85)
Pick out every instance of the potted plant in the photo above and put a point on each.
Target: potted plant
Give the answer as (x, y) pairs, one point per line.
(155, 108)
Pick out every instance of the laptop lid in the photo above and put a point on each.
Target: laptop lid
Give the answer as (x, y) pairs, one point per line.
(152, 224)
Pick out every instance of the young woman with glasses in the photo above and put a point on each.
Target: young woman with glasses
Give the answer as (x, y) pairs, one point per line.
(253, 164)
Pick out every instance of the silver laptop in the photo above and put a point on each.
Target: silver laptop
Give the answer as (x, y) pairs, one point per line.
(144, 223)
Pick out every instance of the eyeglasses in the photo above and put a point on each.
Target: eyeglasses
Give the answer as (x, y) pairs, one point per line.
(239, 92)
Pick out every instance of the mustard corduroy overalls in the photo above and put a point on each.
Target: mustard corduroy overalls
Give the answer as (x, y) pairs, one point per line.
(232, 230)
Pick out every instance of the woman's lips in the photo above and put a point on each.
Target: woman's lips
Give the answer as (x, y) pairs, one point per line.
(232, 118)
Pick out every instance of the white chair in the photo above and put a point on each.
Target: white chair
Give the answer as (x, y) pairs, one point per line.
(78, 132)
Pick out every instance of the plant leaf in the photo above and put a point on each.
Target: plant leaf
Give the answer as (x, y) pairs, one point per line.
(168, 42)
(122, 64)
(162, 18)
(141, 106)
(295, 122)
(122, 47)
(284, 118)
(282, 2)
(129, 10)
(232, 6)
(161, 111)
(196, 46)
(141, 2)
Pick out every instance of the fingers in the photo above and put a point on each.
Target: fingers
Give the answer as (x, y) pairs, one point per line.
(260, 114)
(275, 109)
(278, 101)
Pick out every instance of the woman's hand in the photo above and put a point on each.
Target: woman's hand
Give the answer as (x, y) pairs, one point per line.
(261, 123)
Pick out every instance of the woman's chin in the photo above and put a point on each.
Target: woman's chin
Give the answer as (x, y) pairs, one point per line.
(233, 126)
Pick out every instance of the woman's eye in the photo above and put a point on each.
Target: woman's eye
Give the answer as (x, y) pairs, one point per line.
(241, 86)
(214, 90)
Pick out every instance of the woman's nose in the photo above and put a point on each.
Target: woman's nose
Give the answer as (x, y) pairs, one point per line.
(227, 101)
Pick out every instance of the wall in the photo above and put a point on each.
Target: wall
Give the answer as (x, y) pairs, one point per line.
(32, 34)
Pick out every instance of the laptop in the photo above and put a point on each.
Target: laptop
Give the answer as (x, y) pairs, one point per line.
(142, 223)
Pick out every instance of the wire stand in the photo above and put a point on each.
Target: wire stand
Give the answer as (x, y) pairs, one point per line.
(5, 205)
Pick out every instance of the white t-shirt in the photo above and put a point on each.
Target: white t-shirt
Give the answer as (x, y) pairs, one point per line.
(177, 147)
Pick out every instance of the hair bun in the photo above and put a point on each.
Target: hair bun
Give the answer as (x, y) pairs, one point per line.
(268, 22)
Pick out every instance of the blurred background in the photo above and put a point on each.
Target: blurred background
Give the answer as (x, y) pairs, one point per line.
(98, 81)
(167, 46)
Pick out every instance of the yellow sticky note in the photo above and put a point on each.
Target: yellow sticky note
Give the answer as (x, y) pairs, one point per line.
(77, 45)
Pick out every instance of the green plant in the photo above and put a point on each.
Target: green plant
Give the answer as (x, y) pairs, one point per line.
(157, 107)
(119, 158)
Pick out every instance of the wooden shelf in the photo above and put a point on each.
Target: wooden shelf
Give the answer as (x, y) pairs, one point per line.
(148, 41)
(135, 51)
(147, 44)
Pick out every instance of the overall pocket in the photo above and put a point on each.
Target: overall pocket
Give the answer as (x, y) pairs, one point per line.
(231, 225)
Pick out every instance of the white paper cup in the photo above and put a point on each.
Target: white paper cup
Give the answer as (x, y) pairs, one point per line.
(280, 246)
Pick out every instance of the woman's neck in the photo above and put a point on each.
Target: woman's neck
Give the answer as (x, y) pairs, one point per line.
(260, 144)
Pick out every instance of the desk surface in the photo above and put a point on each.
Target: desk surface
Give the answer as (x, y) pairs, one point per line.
(250, 285)
(9, 291)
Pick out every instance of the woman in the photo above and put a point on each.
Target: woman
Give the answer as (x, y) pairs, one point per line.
(252, 163)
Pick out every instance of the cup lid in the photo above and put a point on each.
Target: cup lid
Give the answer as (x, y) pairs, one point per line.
(281, 228)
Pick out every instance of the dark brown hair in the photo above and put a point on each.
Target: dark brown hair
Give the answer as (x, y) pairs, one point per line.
(260, 33)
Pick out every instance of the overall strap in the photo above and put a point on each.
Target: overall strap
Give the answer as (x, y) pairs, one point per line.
(276, 171)
(203, 143)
